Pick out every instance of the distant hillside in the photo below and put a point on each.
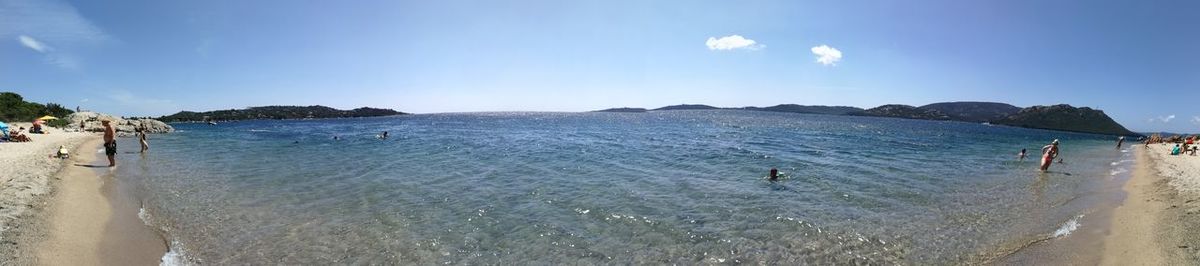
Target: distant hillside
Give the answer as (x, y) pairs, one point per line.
(973, 111)
(1058, 117)
(1066, 118)
(277, 112)
(623, 110)
(808, 109)
(903, 111)
(686, 107)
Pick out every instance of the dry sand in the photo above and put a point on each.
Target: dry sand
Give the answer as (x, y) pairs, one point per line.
(26, 170)
(1157, 224)
(72, 213)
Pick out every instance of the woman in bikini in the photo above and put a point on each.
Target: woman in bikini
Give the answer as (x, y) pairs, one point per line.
(1049, 152)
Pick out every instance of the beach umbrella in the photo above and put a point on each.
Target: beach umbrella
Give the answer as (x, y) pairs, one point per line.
(47, 118)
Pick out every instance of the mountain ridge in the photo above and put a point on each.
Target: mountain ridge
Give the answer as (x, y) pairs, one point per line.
(1060, 117)
(277, 112)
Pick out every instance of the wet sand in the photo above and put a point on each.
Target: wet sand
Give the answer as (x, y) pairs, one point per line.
(86, 220)
(1157, 223)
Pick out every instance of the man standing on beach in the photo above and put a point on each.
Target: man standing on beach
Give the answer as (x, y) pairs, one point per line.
(1049, 152)
(110, 143)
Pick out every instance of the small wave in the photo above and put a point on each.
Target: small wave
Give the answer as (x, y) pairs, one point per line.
(174, 256)
(1118, 171)
(1120, 162)
(143, 215)
(259, 130)
(1005, 251)
(1068, 227)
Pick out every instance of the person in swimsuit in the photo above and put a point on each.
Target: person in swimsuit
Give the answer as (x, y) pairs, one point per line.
(1120, 140)
(110, 143)
(1049, 152)
(142, 139)
(1021, 156)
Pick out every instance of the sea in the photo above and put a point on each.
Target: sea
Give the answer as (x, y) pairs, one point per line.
(660, 187)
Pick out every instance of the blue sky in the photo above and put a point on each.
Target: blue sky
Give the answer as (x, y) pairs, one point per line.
(1138, 61)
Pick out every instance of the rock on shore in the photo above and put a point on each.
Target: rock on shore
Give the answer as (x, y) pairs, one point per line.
(91, 123)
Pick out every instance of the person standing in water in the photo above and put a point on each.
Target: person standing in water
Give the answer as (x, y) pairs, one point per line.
(1021, 156)
(142, 138)
(110, 143)
(1049, 152)
(1120, 140)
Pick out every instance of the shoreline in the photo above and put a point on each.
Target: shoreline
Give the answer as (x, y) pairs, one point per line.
(84, 219)
(1155, 224)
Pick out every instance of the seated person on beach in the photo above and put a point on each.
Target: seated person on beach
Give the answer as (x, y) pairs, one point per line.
(18, 137)
(1175, 150)
(62, 153)
(36, 129)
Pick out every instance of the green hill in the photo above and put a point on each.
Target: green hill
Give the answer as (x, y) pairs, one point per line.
(277, 112)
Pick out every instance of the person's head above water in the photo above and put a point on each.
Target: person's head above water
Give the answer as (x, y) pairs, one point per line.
(1055, 142)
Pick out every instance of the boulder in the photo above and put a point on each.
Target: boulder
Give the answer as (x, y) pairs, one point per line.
(124, 127)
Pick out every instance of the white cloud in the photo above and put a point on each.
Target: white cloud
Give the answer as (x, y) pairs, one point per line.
(52, 21)
(732, 42)
(1162, 119)
(33, 44)
(1196, 119)
(827, 55)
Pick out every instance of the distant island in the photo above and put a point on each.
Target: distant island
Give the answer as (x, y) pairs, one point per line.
(1056, 117)
(807, 109)
(277, 112)
(623, 110)
(686, 107)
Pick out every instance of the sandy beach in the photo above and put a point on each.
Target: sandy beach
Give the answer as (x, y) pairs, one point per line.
(26, 176)
(68, 212)
(1156, 223)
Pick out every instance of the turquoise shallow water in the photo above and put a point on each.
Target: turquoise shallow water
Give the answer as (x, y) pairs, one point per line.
(665, 187)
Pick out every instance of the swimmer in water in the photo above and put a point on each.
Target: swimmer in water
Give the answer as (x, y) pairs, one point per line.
(1021, 156)
(774, 174)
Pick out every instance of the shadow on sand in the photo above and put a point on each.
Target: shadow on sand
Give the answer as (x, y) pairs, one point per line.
(91, 165)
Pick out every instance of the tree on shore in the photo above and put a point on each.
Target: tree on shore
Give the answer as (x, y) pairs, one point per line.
(14, 108)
